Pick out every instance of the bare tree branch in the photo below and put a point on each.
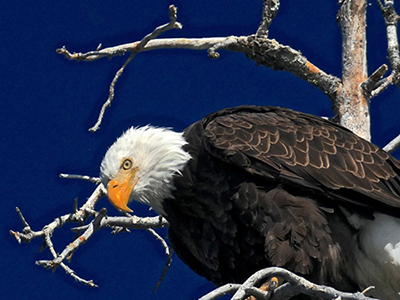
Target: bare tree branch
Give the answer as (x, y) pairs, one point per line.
(295, 285)
(393, 145)
(81, 215)
(270, 9)
(391, 19)
(164, 272)
(270, 53)
(95, 180)
(28, 234)
(384, 83)
(111, 94)
(173, 24)
(350, 95)
(267, 52)
(138, 47)
(298, 284)
(375, 79)
(156, 44)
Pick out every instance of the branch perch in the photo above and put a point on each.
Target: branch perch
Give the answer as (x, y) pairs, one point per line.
(258, 47)
(99, 220)
(138, 47)
(295, 285)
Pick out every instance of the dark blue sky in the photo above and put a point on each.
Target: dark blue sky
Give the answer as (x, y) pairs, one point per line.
(48, 103)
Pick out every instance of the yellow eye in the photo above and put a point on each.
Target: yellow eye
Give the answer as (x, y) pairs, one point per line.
(127, 164)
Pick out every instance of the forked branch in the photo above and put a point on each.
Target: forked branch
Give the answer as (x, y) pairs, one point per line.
(258, 47)
(293, 285)
(264, 51)
(139, 46)
(95, 220)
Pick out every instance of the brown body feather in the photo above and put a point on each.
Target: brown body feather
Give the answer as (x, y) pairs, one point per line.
(264, 188)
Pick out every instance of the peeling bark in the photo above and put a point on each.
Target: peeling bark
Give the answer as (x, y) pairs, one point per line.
(351, 106)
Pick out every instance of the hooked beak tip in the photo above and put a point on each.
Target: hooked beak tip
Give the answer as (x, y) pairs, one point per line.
(118, 193)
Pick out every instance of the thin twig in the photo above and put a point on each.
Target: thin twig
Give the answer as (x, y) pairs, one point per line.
(77, 278)
(270, 9)
(53, 266)
(111, 94)
(95, 180)
(392, 145)
(171, 25)
(79, 216)
(21, 216)
(384, 83)
(366, 290)
(156, 44)
(374, 80)
(168, 252)
(93, 226)
(391, 19)
(161, 239)
(267, 52)
(27, 233)
(229, 41)
(164, 272)
(132, 222)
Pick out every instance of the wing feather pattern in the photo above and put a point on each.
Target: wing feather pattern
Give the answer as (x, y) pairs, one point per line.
(263, 188)
(304, 149)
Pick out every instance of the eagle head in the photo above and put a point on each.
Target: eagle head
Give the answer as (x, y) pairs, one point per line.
(141, 164)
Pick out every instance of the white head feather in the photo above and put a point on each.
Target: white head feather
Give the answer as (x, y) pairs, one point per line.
(159, 156)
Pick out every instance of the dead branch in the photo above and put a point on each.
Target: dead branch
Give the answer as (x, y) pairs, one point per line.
(267, 52)
(81, 215)
(95, 180)
(258, 47)
(173, 24)
(138, 47)
(270, 9)
(270, 53)
(391, 19)
(375, 79)
(166, 267)
(295, 285)
(393, 145)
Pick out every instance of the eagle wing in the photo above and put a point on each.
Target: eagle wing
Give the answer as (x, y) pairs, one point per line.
(310, 152)
(263, 188)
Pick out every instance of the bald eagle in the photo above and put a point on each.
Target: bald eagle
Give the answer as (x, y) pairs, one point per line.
(251, 187)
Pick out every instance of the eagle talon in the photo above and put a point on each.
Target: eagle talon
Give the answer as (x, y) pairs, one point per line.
(268, 286)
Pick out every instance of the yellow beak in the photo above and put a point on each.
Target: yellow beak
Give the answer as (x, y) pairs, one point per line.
(119, 189)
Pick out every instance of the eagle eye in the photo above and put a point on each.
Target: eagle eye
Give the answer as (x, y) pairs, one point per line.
(127, 164)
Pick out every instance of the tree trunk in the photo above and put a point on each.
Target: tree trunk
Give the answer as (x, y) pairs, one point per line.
(351, 106)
